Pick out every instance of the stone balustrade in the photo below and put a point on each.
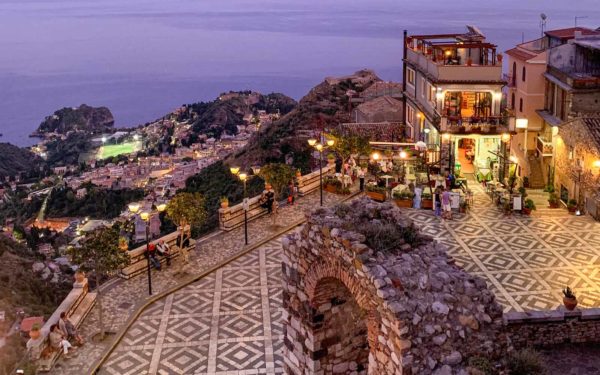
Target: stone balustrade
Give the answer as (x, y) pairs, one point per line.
(78, 303)
(310, 182)
(553, 327)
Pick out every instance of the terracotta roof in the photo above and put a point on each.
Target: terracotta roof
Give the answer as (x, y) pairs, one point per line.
(520, 54)
(27, 323)
(569, 33)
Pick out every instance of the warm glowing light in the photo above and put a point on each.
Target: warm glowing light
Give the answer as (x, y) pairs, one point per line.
(522, 123)
(505, 137)
(234, 170)
(513, 159)
(446, 136)
(375, 156)
(426, 130)
(133, 207)
(403, 154)
(596, 163)
(312, 142)
(161, 207)
(145, 216)
(319, 147)
(448, 53)
(243, 176)
(419, 115)
(330, 142)
(497, 95)
(439, 95)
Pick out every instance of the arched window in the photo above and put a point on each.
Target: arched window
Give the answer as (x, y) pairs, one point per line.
(521, 105)
(512, 100)
(514, 73)
(523, 75)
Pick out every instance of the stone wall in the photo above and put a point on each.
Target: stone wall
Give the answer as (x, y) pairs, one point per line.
(404, 310)
(555, 327)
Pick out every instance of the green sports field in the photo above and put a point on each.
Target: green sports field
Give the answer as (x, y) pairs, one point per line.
(109, 151)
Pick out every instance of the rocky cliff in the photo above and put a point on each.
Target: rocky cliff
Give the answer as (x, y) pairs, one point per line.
(82, 118)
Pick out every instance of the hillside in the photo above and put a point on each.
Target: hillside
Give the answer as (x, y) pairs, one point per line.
(14, 160)
(324, 107)
(82, 118)
(223, 114)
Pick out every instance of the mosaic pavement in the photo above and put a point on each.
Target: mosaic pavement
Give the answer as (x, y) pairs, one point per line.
(230, 322)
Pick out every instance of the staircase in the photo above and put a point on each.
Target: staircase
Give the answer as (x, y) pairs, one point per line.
(536, 176)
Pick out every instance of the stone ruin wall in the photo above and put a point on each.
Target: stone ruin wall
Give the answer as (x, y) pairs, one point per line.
(352, 310)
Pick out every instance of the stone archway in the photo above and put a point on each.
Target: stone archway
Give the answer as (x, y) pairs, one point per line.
(352, 309)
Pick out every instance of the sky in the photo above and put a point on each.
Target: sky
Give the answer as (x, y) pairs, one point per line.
(143, 58)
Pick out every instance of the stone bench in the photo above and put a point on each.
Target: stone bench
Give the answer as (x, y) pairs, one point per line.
(310, 182)
(138, 262)
(233, 217)
(77, 305)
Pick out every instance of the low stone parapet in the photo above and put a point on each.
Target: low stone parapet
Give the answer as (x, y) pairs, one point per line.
(77, 305)
(554, 327)
(310, 182)
(233, 217)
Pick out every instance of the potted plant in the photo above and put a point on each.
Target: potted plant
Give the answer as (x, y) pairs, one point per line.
(224, 202)
(553, 200)
(35, 332)
(572, 206)
(79, 276)
(331, 184)
(404, 198)
(528, 206)
(426, 201)
(123, 243)
(569, 299)
(330, 159)
(298, 173)
(376, 193)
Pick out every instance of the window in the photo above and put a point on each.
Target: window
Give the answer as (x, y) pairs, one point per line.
(410, 114)
(512, 100)
(423, 87)
(523, 74)
(520, 104)
(514, 74)
(410, 76)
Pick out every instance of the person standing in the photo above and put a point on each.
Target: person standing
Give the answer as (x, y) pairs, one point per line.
(438, 201)
(290, 198)
(361, 178)
(183, 246)
(446, 207)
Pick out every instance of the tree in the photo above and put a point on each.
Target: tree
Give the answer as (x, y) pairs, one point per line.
(278, 175)
(187, 209)
(347, 145)
(99, 252)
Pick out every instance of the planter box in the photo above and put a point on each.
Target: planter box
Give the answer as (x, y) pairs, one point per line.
(405, 203)
(427, 204)
(330, 189)
(380, 197)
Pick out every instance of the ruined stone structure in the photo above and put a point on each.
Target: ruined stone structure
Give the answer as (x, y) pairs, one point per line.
(364, 293)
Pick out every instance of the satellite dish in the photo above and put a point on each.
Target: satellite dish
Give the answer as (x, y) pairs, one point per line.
(543, 16)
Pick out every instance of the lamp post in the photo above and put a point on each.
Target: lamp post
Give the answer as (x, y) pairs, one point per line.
(243, 177)
(403, 156)
(145, 216)
(319, 147)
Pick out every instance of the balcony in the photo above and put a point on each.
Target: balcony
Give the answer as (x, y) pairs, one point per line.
(441, 71)
(492, 125)
(544, 146)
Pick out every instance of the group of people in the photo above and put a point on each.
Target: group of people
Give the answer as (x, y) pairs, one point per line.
(162, 249)
(62, 333)
(443, 207)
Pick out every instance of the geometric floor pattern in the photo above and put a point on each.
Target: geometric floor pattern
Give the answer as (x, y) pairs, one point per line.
(525, 260)
(230, 322)
(226, 323)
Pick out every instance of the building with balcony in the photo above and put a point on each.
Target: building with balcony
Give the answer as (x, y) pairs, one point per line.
(453, 86)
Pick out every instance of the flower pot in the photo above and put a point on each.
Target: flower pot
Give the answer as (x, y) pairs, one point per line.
(426, 204)
(570, 303)
(224, 204)
(572, 209)
(79, 276)
(34, 334)
(404, 203)
(298, 174)
(380, 197)
(552, 204)
(526, 211)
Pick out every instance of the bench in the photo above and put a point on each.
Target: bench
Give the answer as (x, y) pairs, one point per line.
(138, 262)
(233, 217)
(311, 181)
(77, 304)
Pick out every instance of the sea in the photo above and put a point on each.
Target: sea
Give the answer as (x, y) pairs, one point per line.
(144, 58)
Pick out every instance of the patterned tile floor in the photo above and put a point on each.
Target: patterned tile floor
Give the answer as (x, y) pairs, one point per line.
(230, 322)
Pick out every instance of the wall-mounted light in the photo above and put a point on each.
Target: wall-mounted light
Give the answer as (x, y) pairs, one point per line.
(505, 137)
(497, 95)
(375, 156)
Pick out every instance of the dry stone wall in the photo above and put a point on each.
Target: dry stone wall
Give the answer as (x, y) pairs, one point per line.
(404, 309)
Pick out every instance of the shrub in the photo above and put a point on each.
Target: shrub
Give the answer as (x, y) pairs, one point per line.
(404, 194)
(553, 198)
(525, 362)
(482, 364)
(572, 203)
(530, 204)
(341, 210)
(376, 189)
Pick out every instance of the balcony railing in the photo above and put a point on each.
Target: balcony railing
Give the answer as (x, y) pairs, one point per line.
(544, 146)
(478, 125)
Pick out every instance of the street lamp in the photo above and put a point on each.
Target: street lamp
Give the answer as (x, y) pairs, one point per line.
(403, 156)
(134, 208)
(319, 147)
(243, 177)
